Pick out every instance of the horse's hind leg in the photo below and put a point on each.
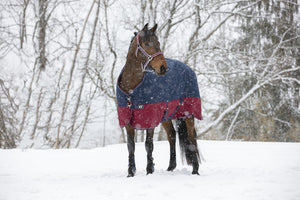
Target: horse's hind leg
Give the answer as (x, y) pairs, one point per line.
(192, 148)
(168, 126)
(131, 149)
(149, 149)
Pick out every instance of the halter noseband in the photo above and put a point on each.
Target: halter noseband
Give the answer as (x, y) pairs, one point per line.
(149, 57)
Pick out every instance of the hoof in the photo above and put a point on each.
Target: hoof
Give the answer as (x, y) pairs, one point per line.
(195, 173)
(149, 173)
(131, 171)
(150, 169)
(172, 166)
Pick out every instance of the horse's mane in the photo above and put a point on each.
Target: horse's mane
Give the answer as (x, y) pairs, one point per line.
(131, 40)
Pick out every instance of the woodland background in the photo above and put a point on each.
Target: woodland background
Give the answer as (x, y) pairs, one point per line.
(60, 59)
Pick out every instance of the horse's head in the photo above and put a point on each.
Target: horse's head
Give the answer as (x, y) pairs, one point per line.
(148, 47)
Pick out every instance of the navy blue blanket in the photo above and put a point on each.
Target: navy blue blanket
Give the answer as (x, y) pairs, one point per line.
(159, 98)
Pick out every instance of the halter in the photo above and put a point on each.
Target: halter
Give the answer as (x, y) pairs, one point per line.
(149, 57)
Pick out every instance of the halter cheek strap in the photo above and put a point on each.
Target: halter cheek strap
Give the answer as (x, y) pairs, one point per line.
(149, 57)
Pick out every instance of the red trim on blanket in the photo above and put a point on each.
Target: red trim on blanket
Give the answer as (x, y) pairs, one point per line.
(152, 114)
(190, 106)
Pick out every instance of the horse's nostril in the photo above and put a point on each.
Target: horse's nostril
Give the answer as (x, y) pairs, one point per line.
(163, 69)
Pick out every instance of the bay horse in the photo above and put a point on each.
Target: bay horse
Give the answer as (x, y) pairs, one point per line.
(152, 89)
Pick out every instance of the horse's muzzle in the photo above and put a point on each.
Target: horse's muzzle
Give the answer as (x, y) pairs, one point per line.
(163, 70)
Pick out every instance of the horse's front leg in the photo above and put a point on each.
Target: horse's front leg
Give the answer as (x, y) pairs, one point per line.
(149, 149)
(131, 148)
(168, 126)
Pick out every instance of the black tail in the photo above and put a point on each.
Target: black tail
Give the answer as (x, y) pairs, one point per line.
(189, 149)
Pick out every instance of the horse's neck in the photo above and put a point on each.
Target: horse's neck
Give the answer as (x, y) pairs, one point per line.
(132, 75)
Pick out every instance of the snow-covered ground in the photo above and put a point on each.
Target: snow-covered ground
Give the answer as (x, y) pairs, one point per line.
(233, 170)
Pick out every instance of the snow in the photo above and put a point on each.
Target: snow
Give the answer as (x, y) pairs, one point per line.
(232, 170)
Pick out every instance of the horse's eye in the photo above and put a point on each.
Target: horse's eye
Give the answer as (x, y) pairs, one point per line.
(147, 44)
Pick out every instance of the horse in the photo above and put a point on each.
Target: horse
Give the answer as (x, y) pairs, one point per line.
(152, 89)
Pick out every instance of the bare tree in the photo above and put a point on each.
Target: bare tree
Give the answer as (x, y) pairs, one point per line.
(64, 107)
(262, 70)
(23, 34)
(42, 25)
(8, 109)
(83, 79)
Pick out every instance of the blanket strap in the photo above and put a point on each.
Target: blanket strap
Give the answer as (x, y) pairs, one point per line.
(166, 112)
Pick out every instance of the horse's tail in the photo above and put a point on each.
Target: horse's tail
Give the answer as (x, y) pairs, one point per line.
(189, 149)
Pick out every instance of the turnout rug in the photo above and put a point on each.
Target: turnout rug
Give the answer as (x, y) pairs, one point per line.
(160, 98)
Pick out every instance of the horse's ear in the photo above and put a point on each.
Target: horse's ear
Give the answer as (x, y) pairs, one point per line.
(153, 29)
(145, 27)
